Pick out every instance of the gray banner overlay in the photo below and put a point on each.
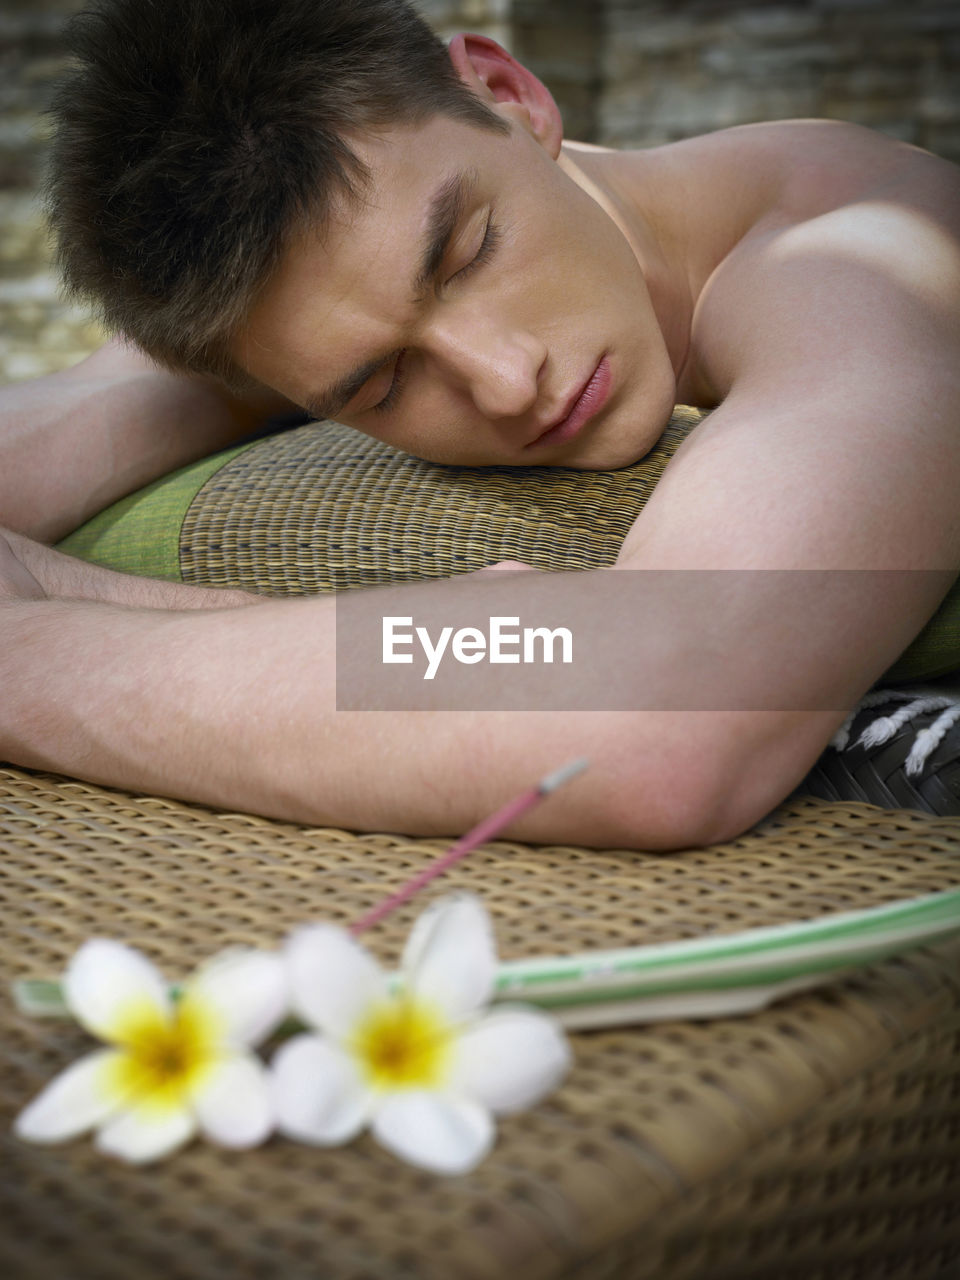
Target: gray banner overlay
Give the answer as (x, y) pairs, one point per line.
(680, 639)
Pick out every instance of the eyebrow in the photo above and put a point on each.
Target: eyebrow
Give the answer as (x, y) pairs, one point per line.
(446, 209)
(444, 213)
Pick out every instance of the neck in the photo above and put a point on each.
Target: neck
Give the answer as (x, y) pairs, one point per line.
(604, 176)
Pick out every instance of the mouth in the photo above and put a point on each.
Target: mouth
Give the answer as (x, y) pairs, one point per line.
(586, 403)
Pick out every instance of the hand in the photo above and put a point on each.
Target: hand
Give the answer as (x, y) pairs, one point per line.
(499, 564)
(16, 580)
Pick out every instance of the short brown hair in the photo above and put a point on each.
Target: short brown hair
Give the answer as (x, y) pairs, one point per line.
(192, 136)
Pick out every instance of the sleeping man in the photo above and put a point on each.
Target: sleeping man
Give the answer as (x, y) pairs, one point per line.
(316, 205)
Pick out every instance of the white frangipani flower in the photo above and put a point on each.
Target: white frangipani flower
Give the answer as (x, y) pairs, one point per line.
(173, 1066)
(425, 1066)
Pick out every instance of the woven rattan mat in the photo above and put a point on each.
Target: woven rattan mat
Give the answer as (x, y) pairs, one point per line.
(273, 520)
(818, 1138)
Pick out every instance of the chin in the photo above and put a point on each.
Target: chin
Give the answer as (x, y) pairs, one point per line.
(625, 446)
(610, 460)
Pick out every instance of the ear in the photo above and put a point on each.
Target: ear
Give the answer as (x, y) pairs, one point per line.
(487, 69)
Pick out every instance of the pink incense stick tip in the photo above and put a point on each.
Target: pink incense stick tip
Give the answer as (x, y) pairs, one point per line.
(483, 831)
(562, 775)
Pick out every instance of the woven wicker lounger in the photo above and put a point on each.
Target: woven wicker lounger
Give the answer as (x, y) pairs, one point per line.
(819, 1138)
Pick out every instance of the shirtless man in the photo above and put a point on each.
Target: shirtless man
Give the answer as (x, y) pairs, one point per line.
(480, 281)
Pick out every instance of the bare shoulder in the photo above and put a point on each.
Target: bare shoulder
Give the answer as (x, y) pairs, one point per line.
(827, 340)
(855, 246)
(801, 167)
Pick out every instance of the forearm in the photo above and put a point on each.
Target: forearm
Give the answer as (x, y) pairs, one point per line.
(75, 441)
(67, 578)
(237, 709)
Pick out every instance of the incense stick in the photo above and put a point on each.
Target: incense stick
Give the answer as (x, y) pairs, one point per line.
(482, 832)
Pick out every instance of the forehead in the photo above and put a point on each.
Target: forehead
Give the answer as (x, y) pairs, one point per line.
(343, 287)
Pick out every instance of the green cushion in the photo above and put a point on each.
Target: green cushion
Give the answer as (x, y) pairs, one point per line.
(323, 508)
(141, 533)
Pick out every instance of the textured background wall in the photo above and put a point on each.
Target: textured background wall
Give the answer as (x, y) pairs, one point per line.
(672, 70)
(38, 332)
(488, 17)
(626, 72)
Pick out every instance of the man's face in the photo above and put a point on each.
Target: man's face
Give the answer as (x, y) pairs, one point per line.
(476, 308)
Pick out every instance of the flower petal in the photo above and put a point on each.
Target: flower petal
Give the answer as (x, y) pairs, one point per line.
(109, 987)
(147, 1132)
(510, 1059)
(242, 993)
(318, 1093)
(232, 1101)
(450, 958)
(332, 978)
(79, 1098)
(434, 1131)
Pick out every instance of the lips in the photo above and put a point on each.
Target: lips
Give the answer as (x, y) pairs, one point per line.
(588, 401)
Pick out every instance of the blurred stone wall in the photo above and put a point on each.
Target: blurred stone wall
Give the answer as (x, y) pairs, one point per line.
(38, 332)
(493, 18)
(674, 70)
(625, 72)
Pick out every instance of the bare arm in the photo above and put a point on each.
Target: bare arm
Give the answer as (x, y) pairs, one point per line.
(237, 708)
(63, 577)
(836, 446)
(75, 441)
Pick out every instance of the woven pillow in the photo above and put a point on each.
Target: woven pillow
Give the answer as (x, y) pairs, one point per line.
(324, 508)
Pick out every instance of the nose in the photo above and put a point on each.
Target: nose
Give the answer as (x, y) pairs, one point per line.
(496, 363)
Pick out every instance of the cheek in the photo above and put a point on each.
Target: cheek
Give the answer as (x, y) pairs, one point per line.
(434, 434)
(587, 272)
(428, 427)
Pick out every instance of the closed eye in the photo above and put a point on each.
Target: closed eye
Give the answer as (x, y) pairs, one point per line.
(396, 385)
(488, 245)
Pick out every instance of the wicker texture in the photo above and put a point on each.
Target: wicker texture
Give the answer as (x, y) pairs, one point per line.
(876, 774)
(268, 521)
(819, 1138)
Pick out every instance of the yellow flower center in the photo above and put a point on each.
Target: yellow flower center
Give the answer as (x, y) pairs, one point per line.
(162, 1058)
(403, 1044)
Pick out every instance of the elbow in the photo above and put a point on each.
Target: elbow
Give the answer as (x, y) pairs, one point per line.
(705, 787)
(676, 801)
(694, 811)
